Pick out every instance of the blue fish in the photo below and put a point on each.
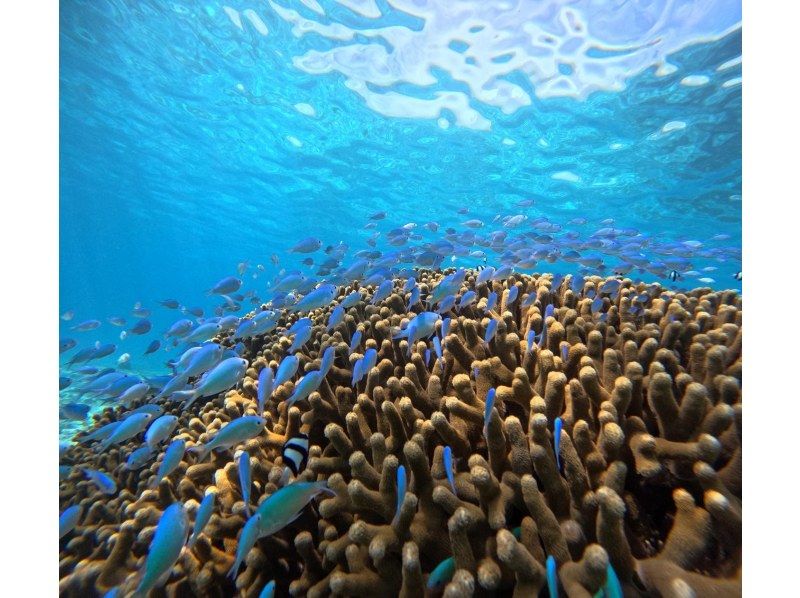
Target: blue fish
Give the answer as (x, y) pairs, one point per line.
(141, 327)
(172, 458)
(138, 458)
(286, 370)
(401, 489)
(531, 337)
(564, 352)
(414, 298)
(446, 304)
(491, 330)
(87, 325)
(104, 482)
(487, 409)
(245, 479)
(543, 336)
(437, 347)
(68, 520)
(382, 292)
(445, 330)
(336, 317)
(549, 310)
(351, 300)
(268, 591)
(442, 574)
(410, 284)
(558, 426)
(165, 548)
(612, 588)
(467, 299)
(491, 301)
(265, 387)
(326, 363)
(301, 338)
(285, 505)
(356, 340)
(448, 468)
(319, 297)
(153, 347)
(65, 344)
(75, 411)
(204, 512)
(513, 292)
(529, 300)
(309, 245)
(226, 286)
(552, 578)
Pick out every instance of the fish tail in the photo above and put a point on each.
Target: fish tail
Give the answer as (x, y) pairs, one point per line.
(201, 451)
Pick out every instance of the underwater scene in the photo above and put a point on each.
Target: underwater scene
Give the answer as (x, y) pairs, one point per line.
(400, 298)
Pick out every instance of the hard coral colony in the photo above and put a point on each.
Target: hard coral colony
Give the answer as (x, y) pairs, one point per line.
(644, 495)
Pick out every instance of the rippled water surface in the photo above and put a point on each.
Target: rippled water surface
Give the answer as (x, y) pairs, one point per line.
(195, 136)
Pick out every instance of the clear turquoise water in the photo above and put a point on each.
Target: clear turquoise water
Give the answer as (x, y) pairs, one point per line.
(184, 150)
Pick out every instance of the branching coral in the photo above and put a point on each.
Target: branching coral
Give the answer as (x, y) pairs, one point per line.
(649, 481)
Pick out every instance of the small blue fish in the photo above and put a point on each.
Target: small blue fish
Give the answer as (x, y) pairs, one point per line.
(543, 336)
(445, 330)
(153, 347)
(308, 384)
(319, 297)
(530, 338)
(68, 520)
(552, 578)
(268, 591)
(597, 305)
(442, 575)
(326, 363)
(383, 291)
(402, 483)
(286, 370)
(410, 284)
(245, 479)
(141, 327)
(265, 387)
(491, 330)
(491, 302)
(138, 458)
(285, 505)
(467, 299)
(529, 300)
(309, 245)
(487, 409)
(446, 304)
(239, 430)
(549, 310)
(351, 300)
(437, 347)
(448, 468)
(204, 512)
(612, 588)
(65, 344)
(414, 298)
(172, 458)
(564, 352)
(356, 340)
(104, 482)
(168, 541)
(559, 425)
(301, 338)
(336, 318)
(75, 411)
(513, 293)
(226, 286)
(87, 325)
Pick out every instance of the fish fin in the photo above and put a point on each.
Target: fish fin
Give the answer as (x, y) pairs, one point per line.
(201, 451)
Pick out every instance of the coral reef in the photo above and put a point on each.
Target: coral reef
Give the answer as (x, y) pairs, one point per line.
(650, 478)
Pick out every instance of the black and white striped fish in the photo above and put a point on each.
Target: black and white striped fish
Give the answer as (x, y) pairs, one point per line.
(738, 275)
(673, 275)
(295, 453)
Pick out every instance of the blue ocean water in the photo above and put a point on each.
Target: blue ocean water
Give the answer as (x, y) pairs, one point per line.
(198, 135)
